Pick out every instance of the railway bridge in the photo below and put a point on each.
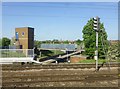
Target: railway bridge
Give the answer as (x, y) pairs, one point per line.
(63, 57)
(9, 56)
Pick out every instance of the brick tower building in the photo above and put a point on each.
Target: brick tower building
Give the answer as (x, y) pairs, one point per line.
(24, 37)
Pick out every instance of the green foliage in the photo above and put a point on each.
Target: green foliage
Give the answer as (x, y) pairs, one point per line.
(100, 61)
(0, 42)
(78, 42)
(66, 42)
(89, 39)
(6, 41)
(37, 43)
(55, 41)
(114, 51)
(57, 52)
(48, 53)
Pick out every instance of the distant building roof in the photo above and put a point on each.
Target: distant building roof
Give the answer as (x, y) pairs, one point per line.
(113, 41)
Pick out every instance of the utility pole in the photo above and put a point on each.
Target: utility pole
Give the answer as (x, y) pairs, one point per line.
(96, 28)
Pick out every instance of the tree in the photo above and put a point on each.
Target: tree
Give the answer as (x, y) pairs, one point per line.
(37, 43)
(78, 42)
(55, 41)
(66, 42)
(0, 42)
(5, 41)
(114, 51)
(89, 39)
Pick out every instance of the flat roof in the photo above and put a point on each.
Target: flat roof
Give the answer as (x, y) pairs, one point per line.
(25, 27)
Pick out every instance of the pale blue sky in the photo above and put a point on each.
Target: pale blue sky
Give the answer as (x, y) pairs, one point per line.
(54, 20)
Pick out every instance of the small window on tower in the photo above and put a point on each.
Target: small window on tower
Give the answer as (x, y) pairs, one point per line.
(23, 33)
(16, 36)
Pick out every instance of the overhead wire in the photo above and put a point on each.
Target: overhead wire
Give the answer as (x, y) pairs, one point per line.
(66, 6)
(53, 16)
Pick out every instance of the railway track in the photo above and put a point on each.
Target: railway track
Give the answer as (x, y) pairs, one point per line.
(52, 66)
(57, 78)
(58, 75)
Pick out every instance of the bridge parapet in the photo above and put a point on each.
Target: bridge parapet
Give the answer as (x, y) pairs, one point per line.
(7, 53)
(16, 55)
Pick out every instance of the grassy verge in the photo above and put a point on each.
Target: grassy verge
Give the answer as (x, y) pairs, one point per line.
(56, 52)
(115, 60)
(100, 61)
(118, 60)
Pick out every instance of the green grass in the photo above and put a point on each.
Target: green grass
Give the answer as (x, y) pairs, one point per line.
(99, 61)
(56, 52)
(92, 61)
(115, 60)
(118, 60)
(50, 53)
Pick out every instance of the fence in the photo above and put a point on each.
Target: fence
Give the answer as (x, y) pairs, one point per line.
(16, 53)
(7, 47)
(8, 56)
(59, 46)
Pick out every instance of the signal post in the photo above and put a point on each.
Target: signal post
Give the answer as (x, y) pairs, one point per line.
(96, 28)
